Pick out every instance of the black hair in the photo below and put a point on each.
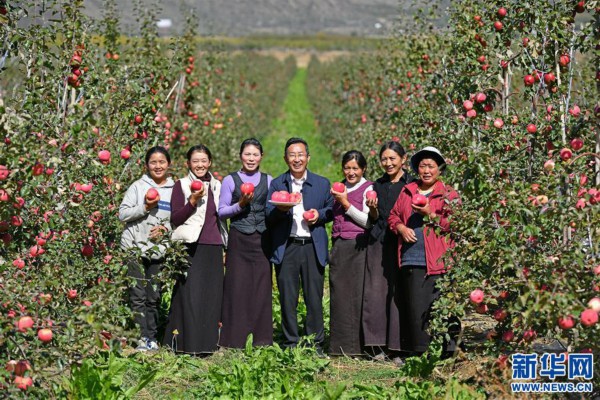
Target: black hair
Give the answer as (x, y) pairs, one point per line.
(199, 148)
(251, 142)
(356, 156)
(157, 149)
(394, 146)
(295, 140)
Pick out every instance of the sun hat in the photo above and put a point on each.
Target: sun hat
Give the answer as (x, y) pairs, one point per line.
(427, 152)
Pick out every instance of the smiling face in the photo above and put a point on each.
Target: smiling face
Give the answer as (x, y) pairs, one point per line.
(199, 164)
(353, 172)
(429, 172)
(158, 166)
(250, 158)
(392, 162)
(297, 159)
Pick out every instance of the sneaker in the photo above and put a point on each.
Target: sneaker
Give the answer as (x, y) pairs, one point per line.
(152, 345)
(142, 345)
(379, 357)
(321, 354)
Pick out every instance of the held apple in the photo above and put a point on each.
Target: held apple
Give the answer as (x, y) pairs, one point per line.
(280, 196)
(152, 194)
(247, 188)
(196, 186)
(339, 187)
(45, 335)
(419, 200)
(295, 197)
(371, 195)
(308, 215)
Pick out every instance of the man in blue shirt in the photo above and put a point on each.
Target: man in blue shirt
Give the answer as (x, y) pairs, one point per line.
(300, 245)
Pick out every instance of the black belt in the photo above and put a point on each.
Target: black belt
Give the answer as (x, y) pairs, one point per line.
(300, 240)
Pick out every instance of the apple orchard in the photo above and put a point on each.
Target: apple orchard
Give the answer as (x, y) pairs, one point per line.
(509, 93)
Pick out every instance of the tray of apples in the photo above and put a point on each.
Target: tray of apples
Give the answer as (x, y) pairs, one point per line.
(283, 198)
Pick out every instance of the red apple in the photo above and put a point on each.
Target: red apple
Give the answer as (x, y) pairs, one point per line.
(308, 215)
(549, 165)
(575, 111)
(529, 80)
(589, 318)
(531, 128)
(295, 197)
(21, 367)
(247, 188)
(45, 335)
(419, 200)
(467, 105)
(481, 309)
(371, 195)
(4, 195)
(566, 154)
(549, 78)
(125, 154)
(508, 336)
(498, 123)
(36, 250)
(594, 304)
(86, 188)
(480, 97)
(24, 323)
(23, 382)
(152, 194)
(502, 12)
(564, 60)
(580, 7)
(500, 314)
(280, 196)
(476, 295)
(498, 26)
(138, 119)
(19, 263)
(196, 186)
(339, 187)
(529, 335)
(87, 251)
(72, 294)
(471, 114)
(104, 156)
(576, 144)
(566, 322)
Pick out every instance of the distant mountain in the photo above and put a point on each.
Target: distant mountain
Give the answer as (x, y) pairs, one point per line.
(279, 17)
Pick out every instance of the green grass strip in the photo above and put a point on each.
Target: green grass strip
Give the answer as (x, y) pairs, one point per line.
(297, 120)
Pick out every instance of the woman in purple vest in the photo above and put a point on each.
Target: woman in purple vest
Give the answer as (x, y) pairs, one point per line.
(247, 289)
(348, 257)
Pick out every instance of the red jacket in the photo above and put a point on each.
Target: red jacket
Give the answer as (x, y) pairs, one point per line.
(436, 245)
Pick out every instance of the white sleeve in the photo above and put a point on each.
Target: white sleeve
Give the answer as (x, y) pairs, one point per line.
(361, 217)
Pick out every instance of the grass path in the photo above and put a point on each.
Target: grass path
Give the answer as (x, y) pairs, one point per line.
(297, 120)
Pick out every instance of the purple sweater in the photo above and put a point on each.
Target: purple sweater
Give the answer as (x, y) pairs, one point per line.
(226, 209)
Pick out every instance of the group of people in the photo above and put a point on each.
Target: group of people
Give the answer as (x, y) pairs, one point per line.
(388, 241)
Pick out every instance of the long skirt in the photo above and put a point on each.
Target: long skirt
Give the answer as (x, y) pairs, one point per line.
(418, 294)
(346, 281)
(195, 314)
(247, 292)
(380, 315)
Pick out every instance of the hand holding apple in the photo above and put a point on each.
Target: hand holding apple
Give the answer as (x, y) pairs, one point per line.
(420, 204)
(152, 199)
(197, 188)
(311, 216)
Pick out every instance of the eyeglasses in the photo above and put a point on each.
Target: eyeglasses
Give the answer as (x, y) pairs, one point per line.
(296, 155)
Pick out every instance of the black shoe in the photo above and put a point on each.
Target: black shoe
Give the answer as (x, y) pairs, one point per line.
(321, 353)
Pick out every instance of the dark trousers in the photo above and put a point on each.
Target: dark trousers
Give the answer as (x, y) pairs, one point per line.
(144, 296)
(300, 263)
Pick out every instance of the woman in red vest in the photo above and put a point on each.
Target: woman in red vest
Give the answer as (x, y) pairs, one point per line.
(348, 256)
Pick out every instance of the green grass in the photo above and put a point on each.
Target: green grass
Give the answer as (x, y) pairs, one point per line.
(297, 120)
